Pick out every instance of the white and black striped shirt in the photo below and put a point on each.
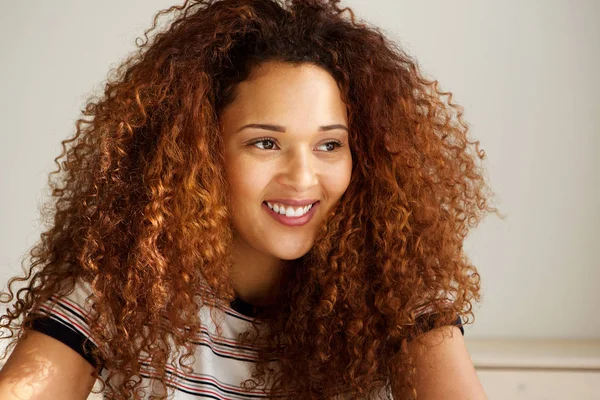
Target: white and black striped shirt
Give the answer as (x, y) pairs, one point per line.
(221, 362)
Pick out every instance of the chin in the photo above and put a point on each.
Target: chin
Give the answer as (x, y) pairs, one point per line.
(292, 254)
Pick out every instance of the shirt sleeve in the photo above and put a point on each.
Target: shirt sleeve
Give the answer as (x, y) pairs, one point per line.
(458, 323)
(427, 315)
(65, 319)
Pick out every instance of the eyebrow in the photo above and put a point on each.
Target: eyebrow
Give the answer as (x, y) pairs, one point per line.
(279, 128)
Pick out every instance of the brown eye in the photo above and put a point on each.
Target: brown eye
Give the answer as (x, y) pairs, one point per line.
(263, 140)
(334, 145)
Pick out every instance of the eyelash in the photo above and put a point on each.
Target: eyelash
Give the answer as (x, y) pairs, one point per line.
(269, 139)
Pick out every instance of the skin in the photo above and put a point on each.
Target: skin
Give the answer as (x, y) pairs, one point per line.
(445, 370)
(298, 163)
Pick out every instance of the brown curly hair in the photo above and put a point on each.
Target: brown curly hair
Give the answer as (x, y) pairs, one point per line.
(142, 208)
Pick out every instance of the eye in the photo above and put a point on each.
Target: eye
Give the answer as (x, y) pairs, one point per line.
(263, 140)
(334, 144)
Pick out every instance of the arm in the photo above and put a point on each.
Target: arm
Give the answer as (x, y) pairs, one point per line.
(445, 371)
(41, 367)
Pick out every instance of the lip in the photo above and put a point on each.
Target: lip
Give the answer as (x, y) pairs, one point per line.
(292, 202)
(292, 221)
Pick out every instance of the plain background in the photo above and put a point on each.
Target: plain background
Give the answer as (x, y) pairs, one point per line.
(526, 73)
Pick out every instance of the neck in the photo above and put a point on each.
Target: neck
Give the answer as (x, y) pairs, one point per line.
(256, 277)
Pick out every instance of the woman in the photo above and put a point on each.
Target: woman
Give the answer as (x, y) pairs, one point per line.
(269, 200)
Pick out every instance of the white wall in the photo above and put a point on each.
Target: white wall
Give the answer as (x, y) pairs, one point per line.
(525, 71)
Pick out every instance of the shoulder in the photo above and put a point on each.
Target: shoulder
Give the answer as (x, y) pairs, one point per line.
(65, 318)
(42, 367)
(52, 358)
(444, 367)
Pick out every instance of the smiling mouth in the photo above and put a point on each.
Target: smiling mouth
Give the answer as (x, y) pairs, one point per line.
(296, 206)
(292, 221)
(265, 202)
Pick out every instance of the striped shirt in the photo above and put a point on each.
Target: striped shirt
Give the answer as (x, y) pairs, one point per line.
(221, 362)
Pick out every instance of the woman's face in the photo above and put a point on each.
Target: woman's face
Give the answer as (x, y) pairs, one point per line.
(289, 157)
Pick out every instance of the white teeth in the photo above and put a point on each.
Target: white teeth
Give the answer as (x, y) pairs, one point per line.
(289, 210)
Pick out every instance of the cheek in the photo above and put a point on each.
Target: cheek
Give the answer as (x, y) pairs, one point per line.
(337, 180)
(247, 180)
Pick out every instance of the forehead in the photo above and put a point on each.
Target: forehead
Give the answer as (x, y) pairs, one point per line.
(288, 95)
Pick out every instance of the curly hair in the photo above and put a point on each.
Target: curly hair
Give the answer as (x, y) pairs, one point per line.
(141, 209)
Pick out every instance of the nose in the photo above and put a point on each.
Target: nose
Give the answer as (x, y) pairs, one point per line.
(300, 171)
